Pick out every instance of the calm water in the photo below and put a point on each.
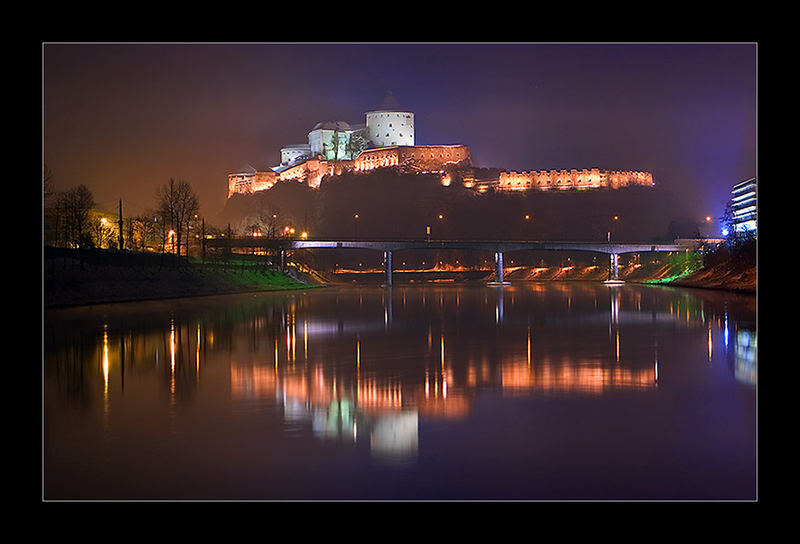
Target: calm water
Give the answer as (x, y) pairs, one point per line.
(543, 391)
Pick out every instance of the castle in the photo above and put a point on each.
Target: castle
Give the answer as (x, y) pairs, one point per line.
(387, 139)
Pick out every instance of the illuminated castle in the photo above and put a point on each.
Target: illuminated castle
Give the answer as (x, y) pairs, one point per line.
(387, 139)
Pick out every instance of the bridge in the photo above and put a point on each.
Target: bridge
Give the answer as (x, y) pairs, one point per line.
(498, 247)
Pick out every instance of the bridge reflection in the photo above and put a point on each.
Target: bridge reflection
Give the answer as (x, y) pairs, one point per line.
(374, 363)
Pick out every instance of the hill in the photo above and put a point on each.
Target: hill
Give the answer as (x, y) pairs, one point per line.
(391, 203)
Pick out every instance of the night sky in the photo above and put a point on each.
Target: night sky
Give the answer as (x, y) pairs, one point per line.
(124, 118)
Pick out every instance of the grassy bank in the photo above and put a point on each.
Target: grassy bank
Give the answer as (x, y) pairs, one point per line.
(70, 282)
(732, 266)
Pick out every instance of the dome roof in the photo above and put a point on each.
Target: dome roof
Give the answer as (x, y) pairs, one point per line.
(390, 103)
(332, 125)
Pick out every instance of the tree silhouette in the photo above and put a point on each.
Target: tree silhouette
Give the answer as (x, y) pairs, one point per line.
(73, 206)
(177, 205)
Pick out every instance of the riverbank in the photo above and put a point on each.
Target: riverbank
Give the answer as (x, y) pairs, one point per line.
(83, 285)
(722, 276)
(103, 277)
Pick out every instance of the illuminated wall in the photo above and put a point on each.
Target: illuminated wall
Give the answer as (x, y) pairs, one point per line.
(423, 157)
(389, 128)
(593, 178)
(241, 182)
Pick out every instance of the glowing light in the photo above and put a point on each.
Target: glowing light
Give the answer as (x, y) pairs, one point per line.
(304, 235)
(105, 360)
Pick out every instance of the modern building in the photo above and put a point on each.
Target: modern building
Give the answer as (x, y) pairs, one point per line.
(744, 206)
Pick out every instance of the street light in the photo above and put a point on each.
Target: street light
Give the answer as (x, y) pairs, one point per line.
(355, 225)
(615, 218)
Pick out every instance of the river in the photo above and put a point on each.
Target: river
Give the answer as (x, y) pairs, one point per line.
(551, 391)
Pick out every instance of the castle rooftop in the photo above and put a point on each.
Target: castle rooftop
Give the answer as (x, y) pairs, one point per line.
(389, 103)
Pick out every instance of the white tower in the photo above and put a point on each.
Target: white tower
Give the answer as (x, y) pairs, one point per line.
(389, 124)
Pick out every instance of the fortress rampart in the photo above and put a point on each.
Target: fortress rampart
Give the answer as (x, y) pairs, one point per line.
(421, 157)
(593, 178)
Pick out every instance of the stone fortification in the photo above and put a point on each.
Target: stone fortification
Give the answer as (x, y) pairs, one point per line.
(593, 178)
(387, 140)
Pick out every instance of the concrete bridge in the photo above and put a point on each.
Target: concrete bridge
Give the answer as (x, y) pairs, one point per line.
(498, 247)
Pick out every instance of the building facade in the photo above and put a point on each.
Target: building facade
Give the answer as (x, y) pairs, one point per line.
(744, 207)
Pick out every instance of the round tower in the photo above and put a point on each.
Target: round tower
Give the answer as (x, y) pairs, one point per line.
(390, 124)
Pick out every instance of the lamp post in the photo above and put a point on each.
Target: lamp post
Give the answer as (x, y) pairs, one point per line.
(355, 226)
(612, 228)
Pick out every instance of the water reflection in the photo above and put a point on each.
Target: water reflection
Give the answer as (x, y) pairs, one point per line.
(371, 368)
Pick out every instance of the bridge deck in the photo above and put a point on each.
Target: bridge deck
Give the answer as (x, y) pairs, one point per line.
(611, 248)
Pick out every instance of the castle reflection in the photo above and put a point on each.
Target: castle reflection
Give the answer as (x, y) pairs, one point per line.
(372, 364)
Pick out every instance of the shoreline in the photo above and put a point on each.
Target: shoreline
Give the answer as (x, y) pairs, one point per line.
(105, 285)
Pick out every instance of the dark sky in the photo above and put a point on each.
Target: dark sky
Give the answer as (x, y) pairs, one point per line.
(124, 118)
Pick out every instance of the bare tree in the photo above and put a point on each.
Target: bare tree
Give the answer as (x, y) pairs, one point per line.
(177, 205)
(144, 231)
(47, 185)
(74, 205)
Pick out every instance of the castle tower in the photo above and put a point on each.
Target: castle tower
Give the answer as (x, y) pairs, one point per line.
(390, 124)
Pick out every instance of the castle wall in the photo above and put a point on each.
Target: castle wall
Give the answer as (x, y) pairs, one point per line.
(241, 183)
(593, 178)
(422, 157)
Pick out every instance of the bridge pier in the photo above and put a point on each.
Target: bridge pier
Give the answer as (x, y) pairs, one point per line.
(613, 269)
(498, 269)
(387, 266)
